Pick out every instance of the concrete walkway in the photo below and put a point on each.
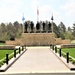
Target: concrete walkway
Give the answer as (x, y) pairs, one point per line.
(37, 60)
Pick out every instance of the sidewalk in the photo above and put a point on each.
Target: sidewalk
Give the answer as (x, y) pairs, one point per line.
(37, 60)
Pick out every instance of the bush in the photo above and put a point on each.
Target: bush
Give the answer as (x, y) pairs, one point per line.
(2, 41)
(70, 59)
(73, 61)
(12, 39)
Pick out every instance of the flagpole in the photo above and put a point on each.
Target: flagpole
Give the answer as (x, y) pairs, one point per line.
(23, 22)
(52, 22)
(23, 26)
(37, 14)
(52, 26)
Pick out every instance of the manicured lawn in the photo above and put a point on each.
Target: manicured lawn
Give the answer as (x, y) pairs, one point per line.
(3, 55)
(70, 50)
(4, 52)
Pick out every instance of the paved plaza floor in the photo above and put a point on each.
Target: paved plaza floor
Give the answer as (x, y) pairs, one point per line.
(38, 60)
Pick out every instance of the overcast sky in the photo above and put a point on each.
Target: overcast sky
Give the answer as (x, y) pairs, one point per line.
(63, 10)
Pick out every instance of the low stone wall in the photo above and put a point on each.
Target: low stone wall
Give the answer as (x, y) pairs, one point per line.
(10, 42)
(16, 42)
(34, 39)
(60, 41)
(7, 47)
(67, 45)
(38, 39)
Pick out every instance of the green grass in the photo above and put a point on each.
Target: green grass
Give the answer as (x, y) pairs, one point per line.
(4, 52)
(3, 55)
(70, 50)
(71, 53)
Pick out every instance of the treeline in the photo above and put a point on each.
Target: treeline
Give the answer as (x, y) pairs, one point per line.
(14, 30)
(65, 33)
(10, 31)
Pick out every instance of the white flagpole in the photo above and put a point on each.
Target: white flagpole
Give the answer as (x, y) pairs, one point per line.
(37, 14)
(23, 22)
(52, 22)
(23, 26)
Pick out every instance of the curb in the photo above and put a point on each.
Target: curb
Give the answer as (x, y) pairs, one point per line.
(9, 65)
(69, 65)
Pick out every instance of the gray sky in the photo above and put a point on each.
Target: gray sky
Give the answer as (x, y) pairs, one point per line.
(63, 10)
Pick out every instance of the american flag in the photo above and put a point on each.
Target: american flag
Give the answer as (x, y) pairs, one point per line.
(37, 11)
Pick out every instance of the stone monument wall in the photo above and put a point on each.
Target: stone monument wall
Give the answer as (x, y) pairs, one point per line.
(36, 39)
(60, 41)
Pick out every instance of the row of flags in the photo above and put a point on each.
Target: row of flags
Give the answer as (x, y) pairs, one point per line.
(23, 18)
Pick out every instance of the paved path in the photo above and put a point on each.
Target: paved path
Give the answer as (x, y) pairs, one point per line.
(38, 60)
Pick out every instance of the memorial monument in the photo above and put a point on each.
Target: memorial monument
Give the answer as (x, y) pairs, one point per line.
(39, 28)
(39, 34)
(42, 35)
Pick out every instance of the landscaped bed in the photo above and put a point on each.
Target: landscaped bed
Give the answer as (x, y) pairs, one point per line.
(71, 52)
(3, 55)
(4, 52)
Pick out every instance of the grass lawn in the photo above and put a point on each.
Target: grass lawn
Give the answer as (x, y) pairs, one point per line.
(3, 55)
(70, 50)
(4, 52)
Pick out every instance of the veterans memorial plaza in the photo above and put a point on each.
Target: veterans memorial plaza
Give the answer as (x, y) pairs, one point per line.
(38, 58)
